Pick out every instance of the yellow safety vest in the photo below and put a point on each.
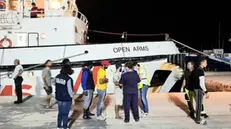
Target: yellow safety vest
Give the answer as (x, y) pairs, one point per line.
(140, 85)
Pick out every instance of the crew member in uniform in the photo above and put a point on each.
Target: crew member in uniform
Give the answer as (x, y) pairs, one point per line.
(129, 81)
(17, 76)
(64, 95)
(118, 90)
(88, 87)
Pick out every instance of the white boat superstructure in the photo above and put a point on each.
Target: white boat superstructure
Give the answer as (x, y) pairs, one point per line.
(57, 22)
(59, 31)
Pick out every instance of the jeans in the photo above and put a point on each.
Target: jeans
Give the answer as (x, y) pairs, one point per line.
(101, 96)
(143, 96)
(63, 112)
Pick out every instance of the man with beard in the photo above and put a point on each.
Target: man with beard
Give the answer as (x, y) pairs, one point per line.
(47, 79)
(102, 81)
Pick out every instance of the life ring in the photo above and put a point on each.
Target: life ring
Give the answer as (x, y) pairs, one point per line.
(5, 39)
(2, 5)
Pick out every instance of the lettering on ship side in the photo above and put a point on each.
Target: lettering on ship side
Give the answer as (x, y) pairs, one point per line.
(130, 49)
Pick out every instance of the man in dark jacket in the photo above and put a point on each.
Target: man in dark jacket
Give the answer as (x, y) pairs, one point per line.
(88, 86)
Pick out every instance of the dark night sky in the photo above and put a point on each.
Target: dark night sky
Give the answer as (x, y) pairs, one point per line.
(194, 24)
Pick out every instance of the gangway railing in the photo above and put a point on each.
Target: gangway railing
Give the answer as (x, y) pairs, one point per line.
(202, 53)
(9, 19)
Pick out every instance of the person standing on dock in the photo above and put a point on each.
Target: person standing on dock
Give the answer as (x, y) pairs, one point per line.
(102, 81)
(129, 82)
(47, 79)
(143, 87)
(188, 88)
(198, 83)
(64, 95)
(118, 90)
(17, 76)
(88, 87)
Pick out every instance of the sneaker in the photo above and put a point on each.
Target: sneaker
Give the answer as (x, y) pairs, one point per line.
(101, 118)
(202, 122)
(104, 114)
(144, 114)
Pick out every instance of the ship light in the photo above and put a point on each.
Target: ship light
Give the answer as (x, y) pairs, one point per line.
(56, 4)
(43, 36)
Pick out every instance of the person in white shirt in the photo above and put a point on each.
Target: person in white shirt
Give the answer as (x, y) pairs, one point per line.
(17, 76)
(118, 90)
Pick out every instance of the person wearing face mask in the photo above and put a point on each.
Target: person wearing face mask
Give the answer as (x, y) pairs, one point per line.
(188, 88)
(47, 79)
(198, 83)
(118, 90)
(88, 86)
(102, 81)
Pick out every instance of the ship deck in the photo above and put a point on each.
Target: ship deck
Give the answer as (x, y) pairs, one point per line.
(167, 111)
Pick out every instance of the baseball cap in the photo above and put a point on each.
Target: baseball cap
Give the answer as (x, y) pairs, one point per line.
(105, 62)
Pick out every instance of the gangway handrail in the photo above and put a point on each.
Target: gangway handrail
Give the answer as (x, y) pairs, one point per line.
(38, 65)
(213, 58)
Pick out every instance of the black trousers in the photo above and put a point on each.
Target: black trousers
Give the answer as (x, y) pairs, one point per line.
(199, 101)
(130, 100)
(18, 88)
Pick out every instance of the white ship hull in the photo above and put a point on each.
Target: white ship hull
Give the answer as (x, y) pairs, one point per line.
(120, 51)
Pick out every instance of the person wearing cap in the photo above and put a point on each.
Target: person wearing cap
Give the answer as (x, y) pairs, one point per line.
(129, 82)
(88, 87)
(64, 95)
(102, 81)
(118, 90)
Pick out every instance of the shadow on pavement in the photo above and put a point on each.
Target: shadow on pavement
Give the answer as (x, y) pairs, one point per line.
(176, 101)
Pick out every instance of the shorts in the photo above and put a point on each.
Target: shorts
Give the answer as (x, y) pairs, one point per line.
(118, 96)
(49, 90)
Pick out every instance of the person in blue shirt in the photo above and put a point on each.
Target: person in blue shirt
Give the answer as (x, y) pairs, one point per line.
(129, 81)
(64, 95)
(88, 86)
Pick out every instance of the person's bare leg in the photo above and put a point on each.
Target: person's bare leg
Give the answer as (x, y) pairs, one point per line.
(117, 108)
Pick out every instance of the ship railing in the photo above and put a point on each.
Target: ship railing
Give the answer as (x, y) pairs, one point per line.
(10, 18)
(57, 13)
